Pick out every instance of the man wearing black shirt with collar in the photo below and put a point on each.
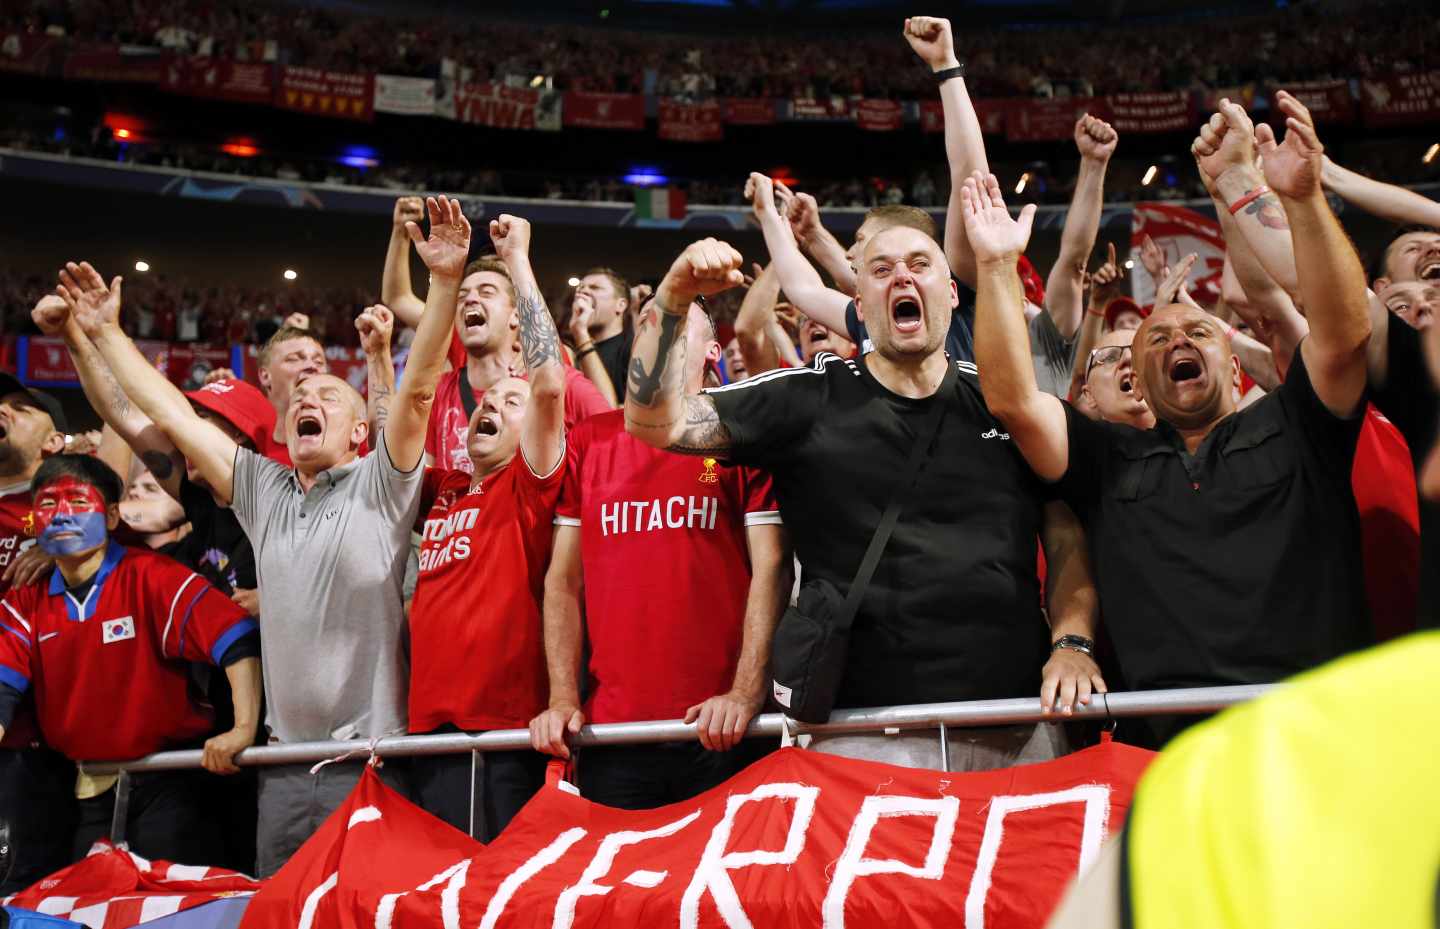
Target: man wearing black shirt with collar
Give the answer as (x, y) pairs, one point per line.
(1226, 544)
(953, 611)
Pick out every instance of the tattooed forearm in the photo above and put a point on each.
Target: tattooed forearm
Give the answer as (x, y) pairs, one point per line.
(703, 433)
(379, 408)
(1267, 209)
(539, 342)
(644, 385)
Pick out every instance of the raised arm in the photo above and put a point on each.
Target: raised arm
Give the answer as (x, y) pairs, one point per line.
(1332, 279)
(1034, 419)
(1377, 198)
(1225, 151)
(798, 278)
(562, 630)
(1096, 140)
(1104, 287)
(721, 721)
(931, 39)
(657, 411)
(803, 214)
(96, 309)
(375, 325)
(395, 289)
(444, 253)
(753, 324)
(542, 438)
(586, 359)
(121, 417)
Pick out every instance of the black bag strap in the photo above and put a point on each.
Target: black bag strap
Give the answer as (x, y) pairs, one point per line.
(871, 561)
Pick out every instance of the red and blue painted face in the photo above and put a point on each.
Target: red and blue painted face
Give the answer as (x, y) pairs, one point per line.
(70, 516)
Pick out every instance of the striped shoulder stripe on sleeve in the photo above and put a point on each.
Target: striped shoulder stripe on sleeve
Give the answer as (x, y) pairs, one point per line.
(566, 521)
(164, 636)
(816, 366)
(764, 518)
(18, 618)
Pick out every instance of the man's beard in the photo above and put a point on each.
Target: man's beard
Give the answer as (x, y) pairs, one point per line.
(11, 460)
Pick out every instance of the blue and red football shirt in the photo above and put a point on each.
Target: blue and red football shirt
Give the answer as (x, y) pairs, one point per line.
(109, 672)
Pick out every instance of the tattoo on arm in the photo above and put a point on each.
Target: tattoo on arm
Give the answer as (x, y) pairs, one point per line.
(645, 385)
(379, 407)
(704, 434)
(1268, 211)
(539, 341)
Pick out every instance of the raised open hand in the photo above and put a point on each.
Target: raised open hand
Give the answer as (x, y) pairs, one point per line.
(1095, 138)
(448, 245)
(511, 236)
(994, 234)
(1227, 141)
(1152, 257)
(1292, 168)
(50, 314)
(931, 38)
(91, 303)
(375, 325)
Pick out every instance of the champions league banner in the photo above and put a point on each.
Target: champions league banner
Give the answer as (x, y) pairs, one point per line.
(797, 840)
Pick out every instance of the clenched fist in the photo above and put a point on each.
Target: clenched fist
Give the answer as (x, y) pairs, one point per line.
(407, 210)
(50, 314)
(1095, 138)
(931, 39)
(375, 326)
(705, 267)
(511, 236)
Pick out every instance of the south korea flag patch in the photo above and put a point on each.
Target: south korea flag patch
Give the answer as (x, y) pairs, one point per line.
(118, 630)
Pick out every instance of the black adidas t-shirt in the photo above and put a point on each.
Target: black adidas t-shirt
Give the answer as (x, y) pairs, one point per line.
(959, 341)
(953, 611)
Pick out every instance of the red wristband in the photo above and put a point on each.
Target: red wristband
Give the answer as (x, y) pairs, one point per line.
(1249, 198)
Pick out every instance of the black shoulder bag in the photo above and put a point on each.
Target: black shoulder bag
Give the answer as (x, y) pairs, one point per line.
(812, 641)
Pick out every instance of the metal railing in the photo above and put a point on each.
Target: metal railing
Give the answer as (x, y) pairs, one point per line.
(941, 716)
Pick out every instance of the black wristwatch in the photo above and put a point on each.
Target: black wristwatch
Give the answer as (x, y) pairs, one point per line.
(944, 74)
(1076, 643)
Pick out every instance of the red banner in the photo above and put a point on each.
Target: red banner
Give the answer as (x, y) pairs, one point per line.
(112, 65)
(1162, 112)
(749, 111)
(604, 111)
(1045, 120)
(113, 889)
(47, 362)
(326, 93)
(830, 108)
(796, 840)
(503, 107)
(1178, 231)
(879, 115)
(691, 122)
(220, 79)
(26, 53)
(1400, 100)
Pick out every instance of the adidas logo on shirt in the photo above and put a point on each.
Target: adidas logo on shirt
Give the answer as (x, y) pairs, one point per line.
(649, 515)
(995, 434)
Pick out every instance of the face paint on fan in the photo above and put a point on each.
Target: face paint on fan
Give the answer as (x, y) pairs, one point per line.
(70, 515)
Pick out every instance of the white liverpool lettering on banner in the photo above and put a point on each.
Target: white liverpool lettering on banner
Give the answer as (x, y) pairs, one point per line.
(366, 814)
(1096, 798)
(385, 910)
(599, 866)
(853, 863)
(710, 874)
(517, 878)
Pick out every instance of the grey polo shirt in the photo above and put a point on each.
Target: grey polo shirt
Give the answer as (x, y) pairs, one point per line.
(331, 564)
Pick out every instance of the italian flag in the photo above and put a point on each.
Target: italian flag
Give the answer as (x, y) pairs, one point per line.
(659, 203)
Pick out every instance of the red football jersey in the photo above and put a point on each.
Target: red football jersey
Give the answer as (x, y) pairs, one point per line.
(477, 655)
(109, 673)
(17, 533)
(445, 433)
(666, 568)
(1383, 478)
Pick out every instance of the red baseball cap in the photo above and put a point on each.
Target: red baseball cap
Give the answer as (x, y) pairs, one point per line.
(1120, 305)
(240, 404)
(1030, 279)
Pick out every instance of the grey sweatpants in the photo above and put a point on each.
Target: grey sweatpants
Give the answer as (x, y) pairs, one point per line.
(970, 749)
(294, 802)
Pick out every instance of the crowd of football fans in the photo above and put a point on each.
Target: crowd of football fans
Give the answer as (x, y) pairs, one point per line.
(1289, 44)
(548, 516)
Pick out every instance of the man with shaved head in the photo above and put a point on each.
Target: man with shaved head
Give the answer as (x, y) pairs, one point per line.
(1226, 543)
(952, 611)
(331, 535)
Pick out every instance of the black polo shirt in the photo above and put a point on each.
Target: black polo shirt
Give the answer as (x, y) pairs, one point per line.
(1237, 565)
(953, 611)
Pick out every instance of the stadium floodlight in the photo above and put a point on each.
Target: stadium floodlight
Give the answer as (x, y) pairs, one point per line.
(574, 282)
(1024, 179)
(290, 274)
(1431, 152)
(142, 266)
(1149, 175)
(1129, 264)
